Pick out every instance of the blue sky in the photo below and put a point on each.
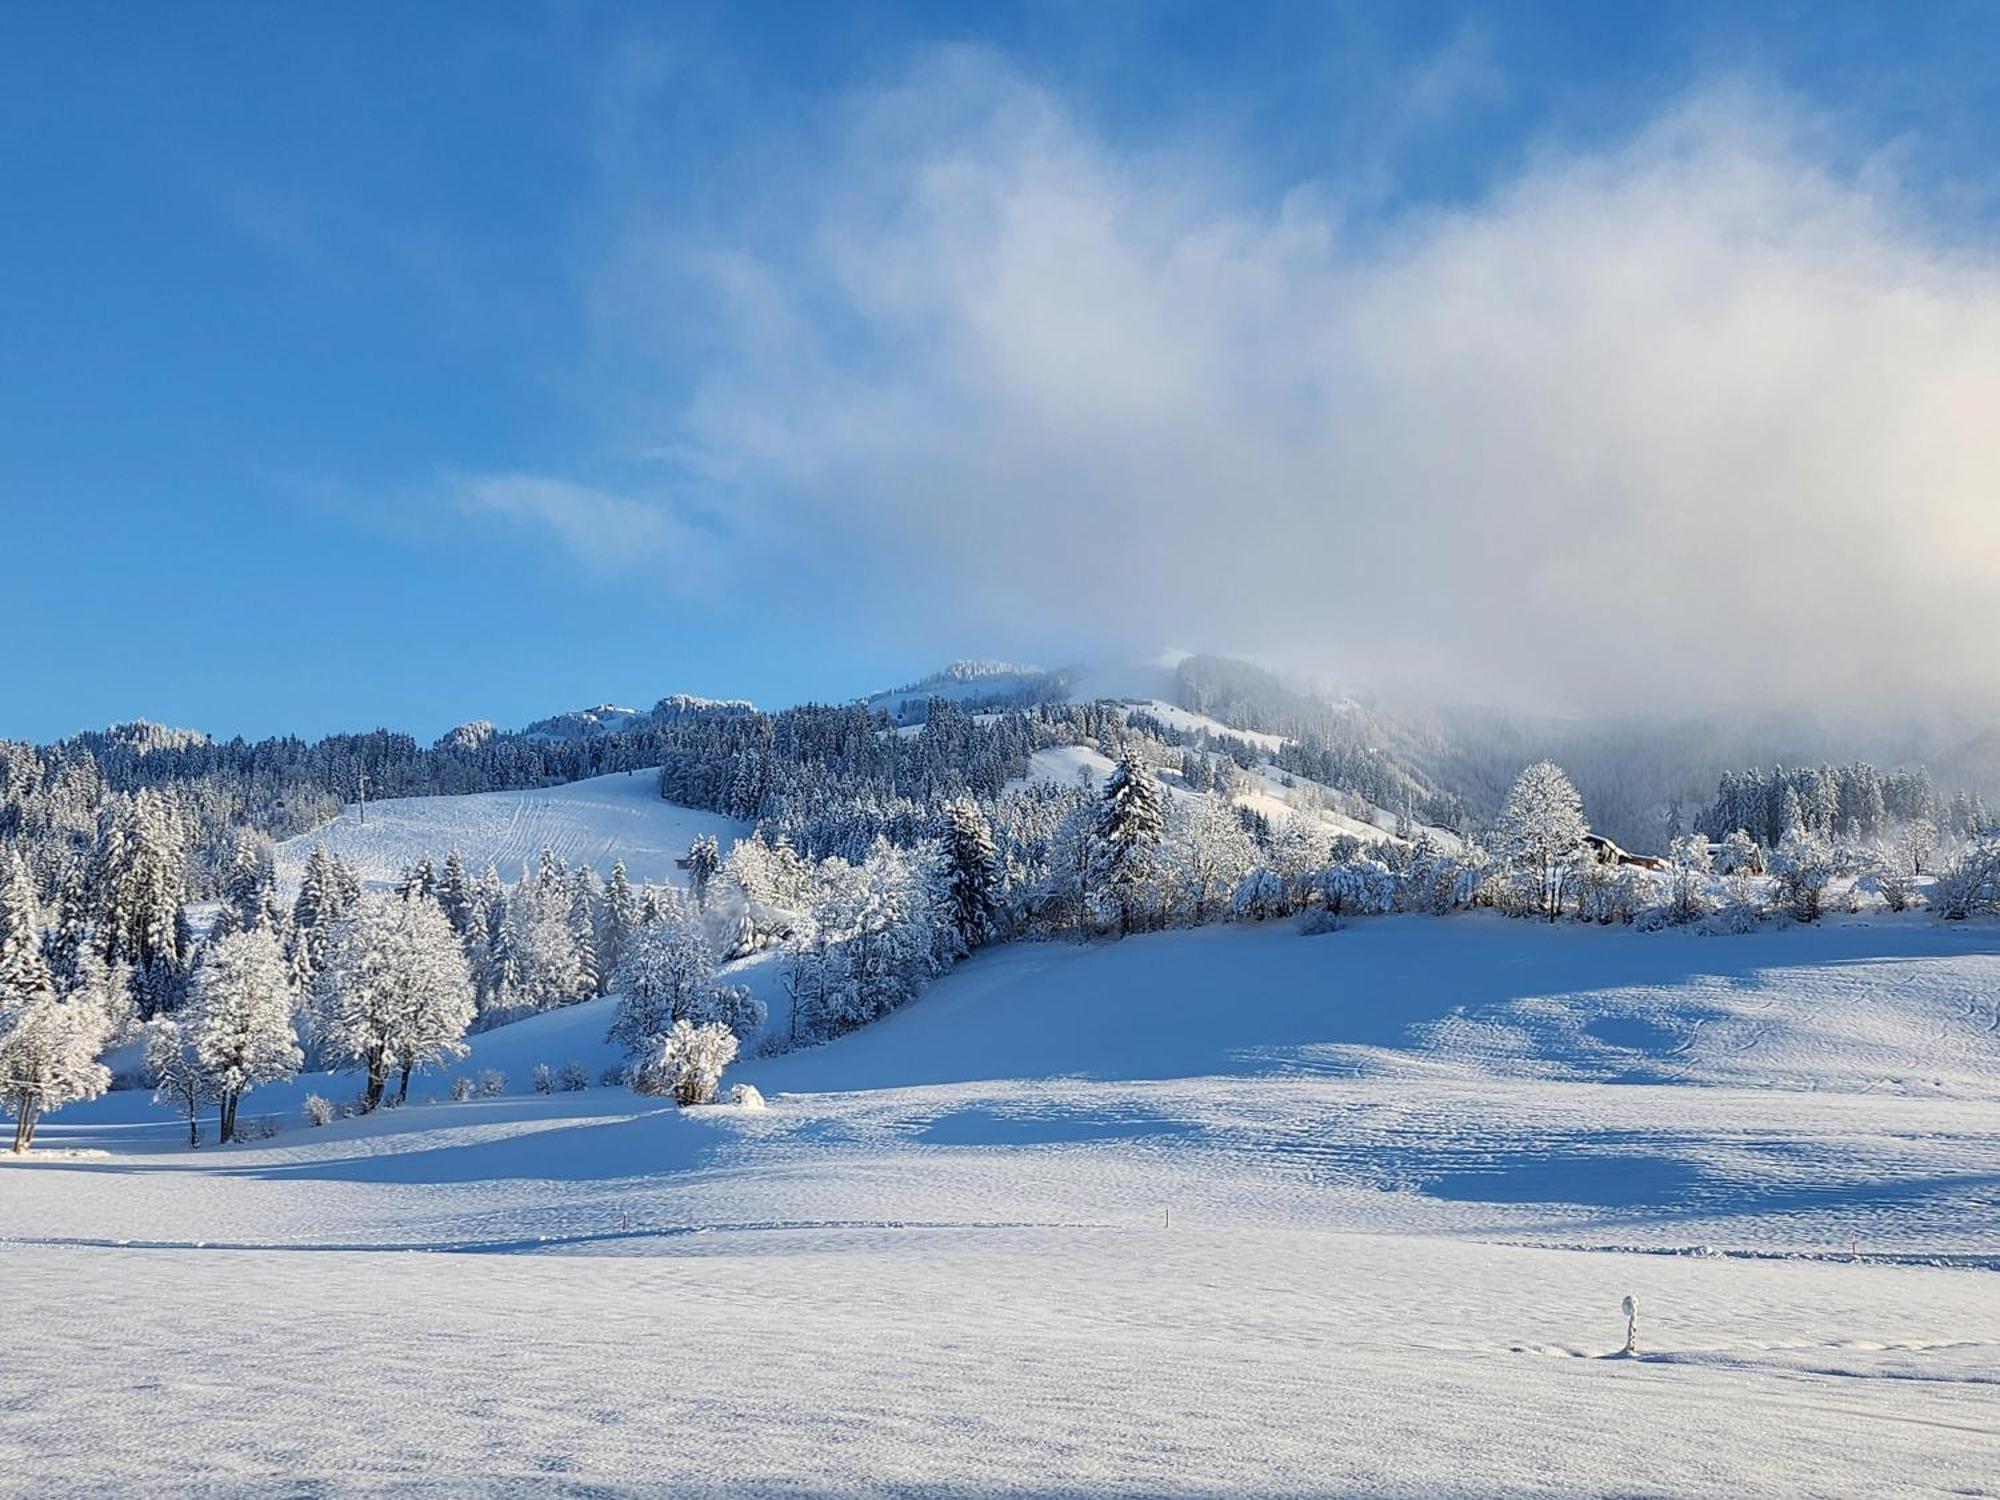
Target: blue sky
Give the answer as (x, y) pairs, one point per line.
(382, 364)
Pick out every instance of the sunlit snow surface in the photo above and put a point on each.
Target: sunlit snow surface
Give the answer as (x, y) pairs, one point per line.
(596, 822)
(1228, 1211)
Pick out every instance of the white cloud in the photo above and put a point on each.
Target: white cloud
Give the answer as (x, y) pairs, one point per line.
(1694, 416)
(605, 531)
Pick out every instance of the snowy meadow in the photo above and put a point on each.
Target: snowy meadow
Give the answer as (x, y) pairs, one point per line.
(1232, 1210)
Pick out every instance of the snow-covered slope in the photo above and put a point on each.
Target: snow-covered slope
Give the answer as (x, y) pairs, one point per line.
(596, 822)
(977, 683)
(1227, 1211)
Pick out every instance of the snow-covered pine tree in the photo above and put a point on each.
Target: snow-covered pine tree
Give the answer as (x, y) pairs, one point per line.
(968, 873)
(107, 986)
(239, 1021)
(68, 938)
(315, 910)
(455, 895)
(586, 904)
(1131, 821)
(540, 947)
(704, 859)
(620, 921)
(1539, 830)
(252, 871)
(420, 878)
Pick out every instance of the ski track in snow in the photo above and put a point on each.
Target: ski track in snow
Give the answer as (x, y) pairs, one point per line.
(1229, 1211)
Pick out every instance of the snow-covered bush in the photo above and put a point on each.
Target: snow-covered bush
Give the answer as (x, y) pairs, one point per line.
(1740, 914)
(1437, 881)
(318, 1110)
(689, 1062)
(746, 1096)
(1606, 893)
(461, 1089)
(1738, 855)
(1260, 896)
(572, 1078)
(613, 1077)
(1359, 887)
(1316, 921)
(1802, 867)
(1897, 890)
(1689, 863)
(492, 1082)
(543, 1079)
(1969, 884)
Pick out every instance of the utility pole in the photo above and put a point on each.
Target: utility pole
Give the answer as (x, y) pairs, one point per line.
(364, 799)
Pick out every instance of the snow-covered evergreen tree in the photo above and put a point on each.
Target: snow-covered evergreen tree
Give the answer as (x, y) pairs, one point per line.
(620, 922)
(1131, 823)
(704, 860)
(317, 907)
(455, 895)
(539, 946)
(585, 916)
(968, 871)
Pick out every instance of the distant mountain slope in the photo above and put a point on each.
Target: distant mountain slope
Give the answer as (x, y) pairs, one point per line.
(610, 718)
(596, 822)
(973, 685)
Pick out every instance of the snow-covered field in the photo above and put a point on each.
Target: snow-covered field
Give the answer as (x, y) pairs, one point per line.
(1228, 1211)
(596, 822)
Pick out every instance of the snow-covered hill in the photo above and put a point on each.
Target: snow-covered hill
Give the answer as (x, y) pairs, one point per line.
(975, 684)
(1329, 1215)
(596, 822)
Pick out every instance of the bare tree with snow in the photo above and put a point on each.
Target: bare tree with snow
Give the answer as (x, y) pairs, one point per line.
(1539, 831)
(239, 1021)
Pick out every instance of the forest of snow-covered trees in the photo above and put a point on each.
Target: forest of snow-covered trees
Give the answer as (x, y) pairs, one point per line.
(140, 901)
